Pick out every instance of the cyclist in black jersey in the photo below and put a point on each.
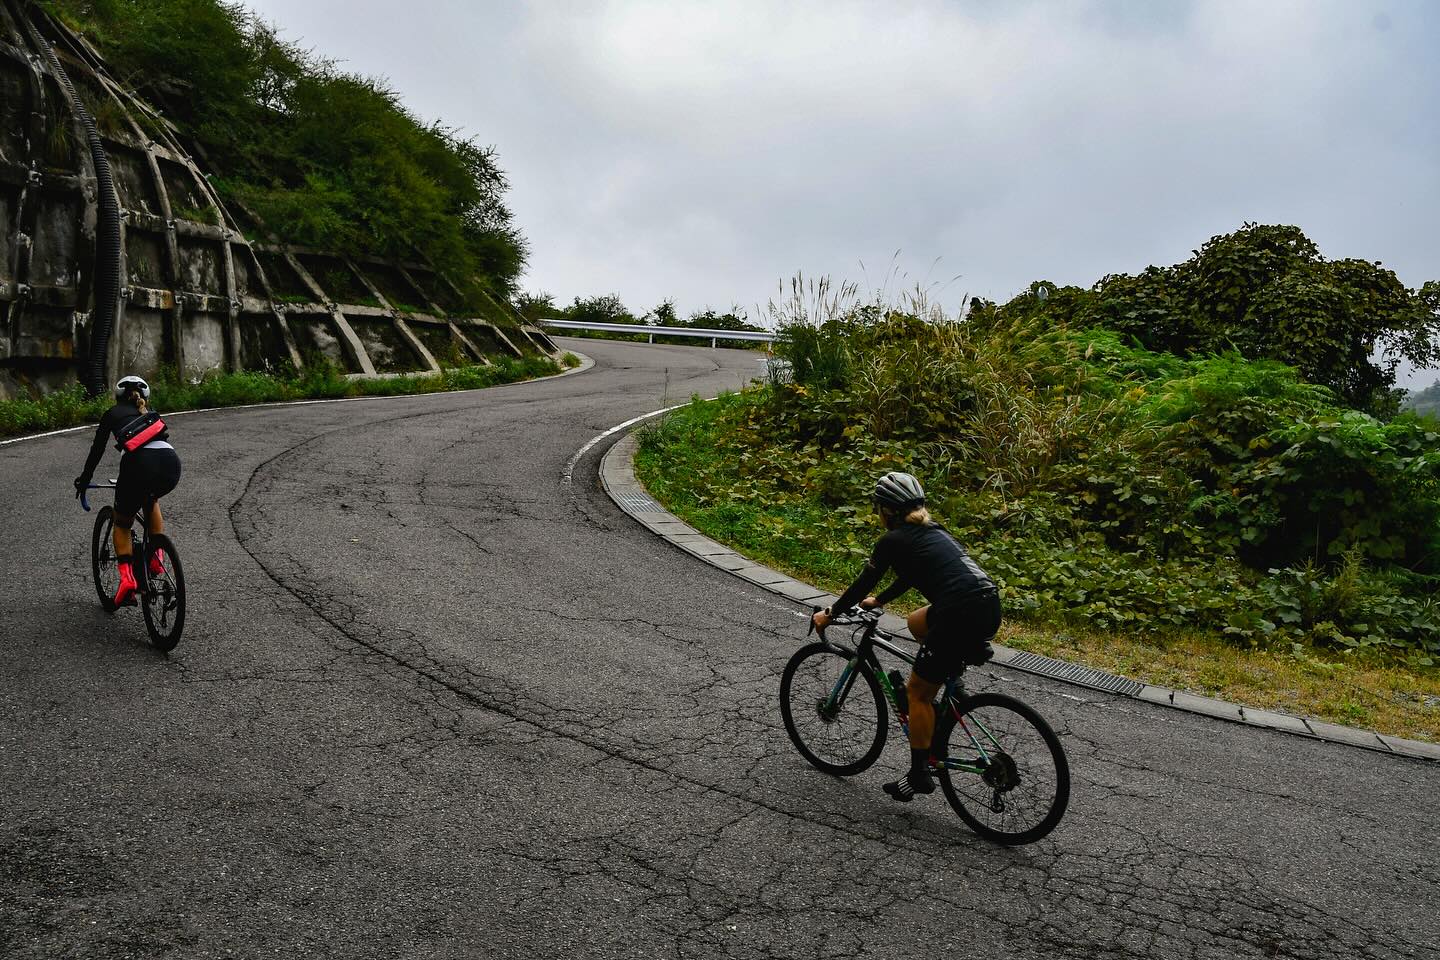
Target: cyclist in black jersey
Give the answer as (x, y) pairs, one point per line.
(150, 471)
(954, 629)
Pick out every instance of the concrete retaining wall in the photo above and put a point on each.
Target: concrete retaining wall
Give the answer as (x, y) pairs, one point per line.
(198, 296)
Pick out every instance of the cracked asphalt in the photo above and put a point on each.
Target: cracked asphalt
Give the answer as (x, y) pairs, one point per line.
(434, 702)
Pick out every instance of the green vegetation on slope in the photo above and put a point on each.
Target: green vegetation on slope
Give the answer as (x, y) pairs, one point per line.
(1108, 485)
(324, 158)
(688, 462)
(69, 408)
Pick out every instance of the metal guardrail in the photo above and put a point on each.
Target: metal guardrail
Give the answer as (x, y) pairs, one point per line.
(652, 332)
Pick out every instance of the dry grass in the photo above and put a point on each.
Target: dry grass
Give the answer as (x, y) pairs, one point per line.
(1389, 699)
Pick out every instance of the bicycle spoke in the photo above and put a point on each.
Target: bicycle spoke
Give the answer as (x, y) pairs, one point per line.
(832, 710)
(1023, 784)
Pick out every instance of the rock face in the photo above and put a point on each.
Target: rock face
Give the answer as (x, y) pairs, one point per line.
(196, 295)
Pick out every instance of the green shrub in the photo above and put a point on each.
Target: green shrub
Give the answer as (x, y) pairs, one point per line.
(1102, 483)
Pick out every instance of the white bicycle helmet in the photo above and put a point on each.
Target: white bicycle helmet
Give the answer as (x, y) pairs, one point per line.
(899, 491)
(132, 382)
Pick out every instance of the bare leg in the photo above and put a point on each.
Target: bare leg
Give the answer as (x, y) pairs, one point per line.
(922, 711)
(922, 730)
(157, 522)
(922, 692)
(120, 533)
(919, 623)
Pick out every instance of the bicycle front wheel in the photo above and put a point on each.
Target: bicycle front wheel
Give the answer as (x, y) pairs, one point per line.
(103, 566)
(1004, 770)
(833, 709)
(164, 601)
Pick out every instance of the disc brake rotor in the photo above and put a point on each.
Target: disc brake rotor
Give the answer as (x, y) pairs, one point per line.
(1001, 772)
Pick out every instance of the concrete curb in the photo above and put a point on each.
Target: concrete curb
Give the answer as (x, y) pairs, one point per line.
(617, 476)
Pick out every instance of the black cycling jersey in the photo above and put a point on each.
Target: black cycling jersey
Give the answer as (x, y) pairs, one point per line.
(145, 474)
(923, 556)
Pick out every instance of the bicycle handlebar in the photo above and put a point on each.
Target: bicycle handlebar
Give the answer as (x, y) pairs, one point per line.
(85, 500)
(856, 614)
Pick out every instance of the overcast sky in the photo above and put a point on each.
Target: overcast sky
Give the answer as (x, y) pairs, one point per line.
(707, 151)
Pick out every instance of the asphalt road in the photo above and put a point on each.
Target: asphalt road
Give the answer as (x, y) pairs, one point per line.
(434, 702)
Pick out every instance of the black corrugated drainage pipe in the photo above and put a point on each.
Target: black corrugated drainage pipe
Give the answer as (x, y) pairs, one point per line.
(107, 226)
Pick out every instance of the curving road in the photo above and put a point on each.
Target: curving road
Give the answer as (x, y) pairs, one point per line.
(433, 702)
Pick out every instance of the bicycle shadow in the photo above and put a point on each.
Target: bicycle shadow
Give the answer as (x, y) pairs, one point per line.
(926, 825)
(121, 634)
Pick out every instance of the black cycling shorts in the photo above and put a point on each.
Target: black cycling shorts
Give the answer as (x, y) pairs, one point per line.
(145, 474)
(956, 633)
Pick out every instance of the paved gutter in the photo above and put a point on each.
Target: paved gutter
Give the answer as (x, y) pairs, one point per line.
(617, 475)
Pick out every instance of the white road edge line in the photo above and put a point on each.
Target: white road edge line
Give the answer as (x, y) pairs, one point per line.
(568, 472)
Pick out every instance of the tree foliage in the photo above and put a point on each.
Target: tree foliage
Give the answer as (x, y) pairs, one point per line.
(1425, 402)
(1266, 293)
(322, 157)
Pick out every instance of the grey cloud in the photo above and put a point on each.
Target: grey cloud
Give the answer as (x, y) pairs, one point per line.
(703, 151)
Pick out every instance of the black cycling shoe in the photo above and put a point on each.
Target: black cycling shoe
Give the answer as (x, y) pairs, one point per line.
(905, 789)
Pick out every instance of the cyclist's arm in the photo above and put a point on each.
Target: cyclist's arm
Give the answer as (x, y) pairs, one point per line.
(860, 589)
(97, 447)
(875, 567)
(891, 592)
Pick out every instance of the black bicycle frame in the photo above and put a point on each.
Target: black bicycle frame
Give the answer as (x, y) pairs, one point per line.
(954, 688)
(142, 569)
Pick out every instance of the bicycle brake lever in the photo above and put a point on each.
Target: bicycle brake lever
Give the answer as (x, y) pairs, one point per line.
(813, 611)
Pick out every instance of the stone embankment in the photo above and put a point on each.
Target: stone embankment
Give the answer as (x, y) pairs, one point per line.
(204, 286)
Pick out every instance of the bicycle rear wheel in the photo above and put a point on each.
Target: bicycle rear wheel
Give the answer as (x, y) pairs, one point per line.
(1004, 770)
(835, 715)
(103, 568)
(164, 601)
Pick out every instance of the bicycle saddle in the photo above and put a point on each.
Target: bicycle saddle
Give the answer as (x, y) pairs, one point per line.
(980, 654)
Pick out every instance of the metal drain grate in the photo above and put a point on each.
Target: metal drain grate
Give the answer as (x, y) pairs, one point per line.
(1085, 676)
(639, 503)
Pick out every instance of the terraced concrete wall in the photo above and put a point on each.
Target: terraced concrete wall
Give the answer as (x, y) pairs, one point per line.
(198, 296)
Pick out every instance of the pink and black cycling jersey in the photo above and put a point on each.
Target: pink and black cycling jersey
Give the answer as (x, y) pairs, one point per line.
(108, 431)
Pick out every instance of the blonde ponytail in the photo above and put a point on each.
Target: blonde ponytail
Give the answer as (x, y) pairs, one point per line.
(919, 517)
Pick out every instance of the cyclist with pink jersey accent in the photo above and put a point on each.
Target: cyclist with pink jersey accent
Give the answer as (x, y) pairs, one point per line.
(147, 472)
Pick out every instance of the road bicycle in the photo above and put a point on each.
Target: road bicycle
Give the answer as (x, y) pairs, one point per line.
(998, 762)
(162, 591)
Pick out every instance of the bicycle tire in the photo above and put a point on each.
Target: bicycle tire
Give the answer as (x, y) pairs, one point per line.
(103, 568)
(1006, 727)
(164, 599)
(811, 676)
